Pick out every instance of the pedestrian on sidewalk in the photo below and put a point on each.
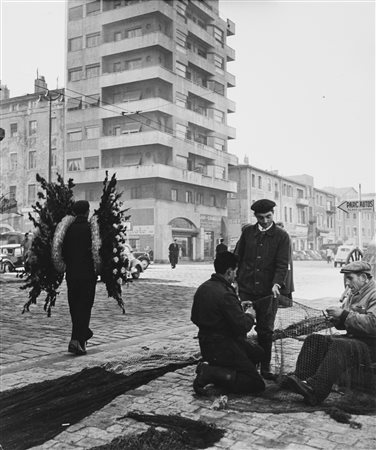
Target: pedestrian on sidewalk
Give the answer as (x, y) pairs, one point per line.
(325, 359)
(329, 255)
(80, 276)
(173, 253)
(221, 247)
(229, 359)
(264, 254)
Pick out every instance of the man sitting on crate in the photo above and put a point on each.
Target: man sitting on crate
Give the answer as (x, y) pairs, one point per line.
(324, 360)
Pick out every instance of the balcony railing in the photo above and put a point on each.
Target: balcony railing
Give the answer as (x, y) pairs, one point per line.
(300, 201)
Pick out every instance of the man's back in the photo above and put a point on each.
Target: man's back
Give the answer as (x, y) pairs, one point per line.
(77, 251)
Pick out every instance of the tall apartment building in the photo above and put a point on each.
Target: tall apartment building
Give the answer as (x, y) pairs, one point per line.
(148, 82)
(25, 150)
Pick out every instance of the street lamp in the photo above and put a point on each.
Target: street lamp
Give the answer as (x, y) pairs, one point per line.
(51, 98)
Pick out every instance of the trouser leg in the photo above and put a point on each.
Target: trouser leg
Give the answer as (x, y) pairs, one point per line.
(266, 311)
(311, 355)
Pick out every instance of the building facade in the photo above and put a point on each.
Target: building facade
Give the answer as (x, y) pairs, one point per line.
(147, 87)
(348, 222)
(308, 214)
(25, 150)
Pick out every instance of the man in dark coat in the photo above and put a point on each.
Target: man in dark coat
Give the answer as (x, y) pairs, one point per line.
(229, 359)
(173, 253)
(264, 253)
(221, 247)
(80, 276)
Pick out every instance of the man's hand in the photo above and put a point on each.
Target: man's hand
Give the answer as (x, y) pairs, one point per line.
(246, 304)
(275, 290)
(334, 312)
(251, 312)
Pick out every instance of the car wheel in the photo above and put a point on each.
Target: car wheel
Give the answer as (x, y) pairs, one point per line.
(7, 267)
(136, 275)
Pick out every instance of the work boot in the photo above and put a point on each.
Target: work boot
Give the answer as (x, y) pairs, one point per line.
(303, 388)
(207, 374)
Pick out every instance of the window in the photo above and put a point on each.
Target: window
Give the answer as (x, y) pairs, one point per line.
(354, 216)
(74, 135)
(131, 96)
(181, 43)
(74, 103)
(92, 40)
(53, 157)
(116, 67)
(188, 197)
(201, 52)
(253, 180)
(219, 63)
(199, 198)
(218, 35)
(117, 36)
(135, 32)
(33, 126)
(174, 195)
(74, 165)
(75, 13)
(180, 69)
(219, 116)
(131, 127)
(75, 44)
(13, 161)
(132, 64)
(181, 131)
(91, 162)
(213, 200)
(259, 182)
(116, 131)
(285, 211)
(269, 181)
(180, 9)
(300, 193)
(181, 99)
(290, 215)
(219, 144)
(32, 160)
(92, 132)
(136, 192)
(93, 7)
(75, 74)
(12, 192)
(31, 193)
(92, 71)
(13, 129)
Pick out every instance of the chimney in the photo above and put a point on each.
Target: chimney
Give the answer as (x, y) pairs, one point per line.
(4, 92)
(40, 85)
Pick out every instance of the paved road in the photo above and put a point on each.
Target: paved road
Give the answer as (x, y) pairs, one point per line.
(33, 348)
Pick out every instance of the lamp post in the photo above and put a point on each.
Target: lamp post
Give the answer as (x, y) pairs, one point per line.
(51, 98)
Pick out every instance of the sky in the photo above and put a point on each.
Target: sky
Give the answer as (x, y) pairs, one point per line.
(305, 80)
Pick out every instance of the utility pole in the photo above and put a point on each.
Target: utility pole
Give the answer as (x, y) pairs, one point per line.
(51, 98)
(360, 243)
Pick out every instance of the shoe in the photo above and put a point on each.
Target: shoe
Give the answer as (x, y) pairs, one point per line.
(266, 375)
(303, 388)
(200, 381)
(75, 347)
(207, 374)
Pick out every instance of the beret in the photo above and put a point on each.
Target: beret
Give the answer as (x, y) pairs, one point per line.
(263, 206)
(357, 267)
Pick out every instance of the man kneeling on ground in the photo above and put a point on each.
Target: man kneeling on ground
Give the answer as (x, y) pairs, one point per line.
(229, 359)
(323, 360)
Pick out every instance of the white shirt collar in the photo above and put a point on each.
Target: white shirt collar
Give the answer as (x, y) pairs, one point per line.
(264, 229)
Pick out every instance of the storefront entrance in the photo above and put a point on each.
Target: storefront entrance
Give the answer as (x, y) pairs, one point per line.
(185, 232)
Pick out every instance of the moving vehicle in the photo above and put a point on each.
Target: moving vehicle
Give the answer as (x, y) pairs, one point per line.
(343, 252)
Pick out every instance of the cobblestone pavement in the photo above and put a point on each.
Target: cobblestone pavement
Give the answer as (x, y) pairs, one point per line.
(33, 349)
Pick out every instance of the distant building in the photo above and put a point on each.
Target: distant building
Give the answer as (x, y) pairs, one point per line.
(147, 87)
(25, 148)
(291, 198)
(348, 223)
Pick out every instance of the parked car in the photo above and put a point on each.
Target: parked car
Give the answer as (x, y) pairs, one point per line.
(135, 267)
(143, 257)
(343, 252)
(11, 258)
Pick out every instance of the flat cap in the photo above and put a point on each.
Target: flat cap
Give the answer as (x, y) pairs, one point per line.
(263, 206)
(357, 267)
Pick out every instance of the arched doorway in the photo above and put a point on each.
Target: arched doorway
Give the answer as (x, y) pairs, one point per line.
(185, 232)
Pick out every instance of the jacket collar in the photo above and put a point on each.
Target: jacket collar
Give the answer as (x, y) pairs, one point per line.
(81, 219)
(221, 279)
(268, 232)
(366, 288)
